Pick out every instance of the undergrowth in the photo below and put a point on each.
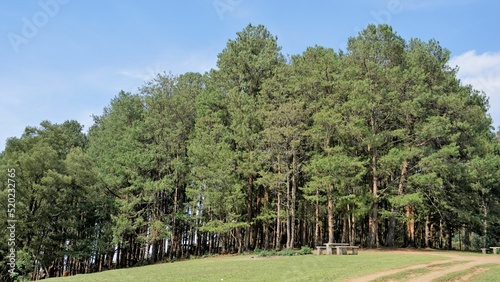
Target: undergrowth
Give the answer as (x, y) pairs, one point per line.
(304, 250)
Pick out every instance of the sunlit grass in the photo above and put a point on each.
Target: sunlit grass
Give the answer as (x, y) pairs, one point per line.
(407, 275)
(253, 268)
(492, 274)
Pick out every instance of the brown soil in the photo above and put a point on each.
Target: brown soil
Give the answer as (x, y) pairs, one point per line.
(457, 262)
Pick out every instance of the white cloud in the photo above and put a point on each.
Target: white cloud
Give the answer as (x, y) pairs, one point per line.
(482, 71)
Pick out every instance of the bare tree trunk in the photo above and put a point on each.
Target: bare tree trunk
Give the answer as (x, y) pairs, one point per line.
(392, 223)
(316, 223)
(249, 232)
(277, 244)
(410, 227)
(278, 221)
(373, 241)
(265, 226)
(485, 222)
(288, 215)
(345, 230)
(449, 237)
(330, 214)
(353, 230)
(427, 232)
(294, 199)
(440, 233)
(391, 230)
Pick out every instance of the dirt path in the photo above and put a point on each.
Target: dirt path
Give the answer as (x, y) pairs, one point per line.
(454, 262)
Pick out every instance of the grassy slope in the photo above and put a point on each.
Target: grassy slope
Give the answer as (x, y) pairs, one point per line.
(252, 268)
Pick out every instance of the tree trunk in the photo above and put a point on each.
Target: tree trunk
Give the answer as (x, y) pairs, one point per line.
(485, 223)
(265, 227)
(278, 221)
(288, 213)
(373, 241)
(173, 238)
(316, 220)
(294, 199)
(449, 237)
(410, 226)
(391, 230)
(330, 214)
(392, 223)
(441, 233)
(249, 232)
(352, 225)
(427, 232)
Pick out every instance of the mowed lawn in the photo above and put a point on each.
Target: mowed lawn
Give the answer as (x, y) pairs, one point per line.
(253, 268)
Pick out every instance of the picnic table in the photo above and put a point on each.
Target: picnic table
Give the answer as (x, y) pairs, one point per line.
(340, 248)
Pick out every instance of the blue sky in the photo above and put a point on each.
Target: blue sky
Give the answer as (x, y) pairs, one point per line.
(66, 59)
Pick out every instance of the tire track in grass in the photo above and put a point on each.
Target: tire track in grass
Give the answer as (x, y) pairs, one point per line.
(465, 275)
(391, 272)
(471, 267)
(434, 275)
(456, 262)
(407, 275)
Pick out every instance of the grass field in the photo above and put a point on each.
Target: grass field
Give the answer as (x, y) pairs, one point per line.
(403, 265)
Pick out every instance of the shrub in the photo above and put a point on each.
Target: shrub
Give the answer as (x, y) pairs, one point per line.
(305, 250)
(257, 251)
(267, 253)
(287, 252)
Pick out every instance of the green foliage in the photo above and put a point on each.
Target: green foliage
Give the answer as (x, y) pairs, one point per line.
(288, 252)
(55, 197)
(257, 251)
(305, 250)
(268, 253)
(377, 144)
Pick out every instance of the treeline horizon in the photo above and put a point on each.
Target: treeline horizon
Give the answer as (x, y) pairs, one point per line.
(378, 145)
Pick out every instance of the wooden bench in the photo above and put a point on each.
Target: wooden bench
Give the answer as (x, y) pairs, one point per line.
(342, 250)
(495, 250)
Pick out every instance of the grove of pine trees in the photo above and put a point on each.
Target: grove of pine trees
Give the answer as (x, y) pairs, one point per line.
(379, 145)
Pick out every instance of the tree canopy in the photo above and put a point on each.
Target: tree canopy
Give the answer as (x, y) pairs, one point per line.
(377, 145)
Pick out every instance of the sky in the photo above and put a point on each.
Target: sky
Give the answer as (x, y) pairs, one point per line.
(66, 59)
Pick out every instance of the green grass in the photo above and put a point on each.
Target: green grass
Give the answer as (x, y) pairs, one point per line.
(455, 276)
(253, 268)
(403, 275)
(412, 273)
(492, 274)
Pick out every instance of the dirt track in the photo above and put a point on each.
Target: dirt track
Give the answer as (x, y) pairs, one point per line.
(455, 262)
